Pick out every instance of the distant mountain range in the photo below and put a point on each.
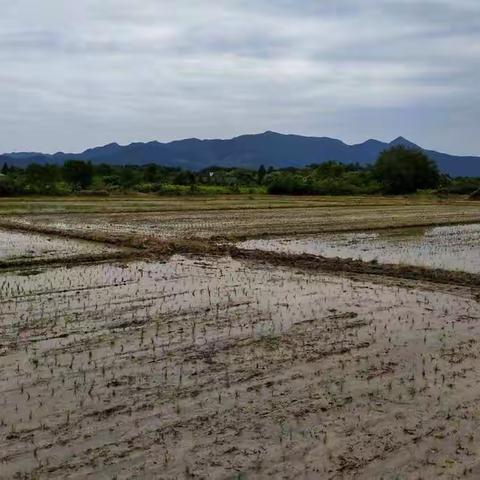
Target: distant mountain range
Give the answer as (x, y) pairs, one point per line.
(251, 151)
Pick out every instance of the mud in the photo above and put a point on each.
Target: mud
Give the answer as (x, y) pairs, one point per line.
(246, 223)
(455, 247)
(19, 248)
(218, 368)
(348, 266)
(151, 247)
(224, 363)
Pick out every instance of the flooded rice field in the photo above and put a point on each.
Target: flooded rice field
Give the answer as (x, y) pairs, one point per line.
(449, 247)
(215, 368)
(18, 246)
(246, 222)
(262, 366)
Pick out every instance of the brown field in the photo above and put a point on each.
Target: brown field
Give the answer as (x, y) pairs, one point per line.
(222, 364)
(234, 217)
(154, 203)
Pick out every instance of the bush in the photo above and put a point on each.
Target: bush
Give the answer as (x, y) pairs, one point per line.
(347, 184)
(147, 187)
(462, 186)
(288, 184)
(7, 187)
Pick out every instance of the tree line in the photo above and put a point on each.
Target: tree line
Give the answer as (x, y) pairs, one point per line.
(398, 170)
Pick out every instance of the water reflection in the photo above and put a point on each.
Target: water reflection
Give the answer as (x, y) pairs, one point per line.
(450, 247)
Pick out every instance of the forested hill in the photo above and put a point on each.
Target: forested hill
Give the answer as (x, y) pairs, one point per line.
(249, 151)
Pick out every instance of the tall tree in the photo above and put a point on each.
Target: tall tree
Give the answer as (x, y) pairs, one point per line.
(78, 173)
(261, 174)
(404, 170)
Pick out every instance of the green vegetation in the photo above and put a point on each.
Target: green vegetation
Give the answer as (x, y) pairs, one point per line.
(397, 171)
(402, 170)
(460, 186)
(83, 177)
(329, 178)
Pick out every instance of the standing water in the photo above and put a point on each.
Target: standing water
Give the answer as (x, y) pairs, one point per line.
(454, 247)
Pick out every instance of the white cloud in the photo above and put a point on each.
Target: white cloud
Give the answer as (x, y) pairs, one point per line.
(77, 74)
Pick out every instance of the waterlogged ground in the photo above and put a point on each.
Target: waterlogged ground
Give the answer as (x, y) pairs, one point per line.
(450, 247)
(211, 368)
(18, 246)
(203, 367)
(250, 222)
(160, 203)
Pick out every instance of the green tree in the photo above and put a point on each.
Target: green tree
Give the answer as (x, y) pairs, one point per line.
(78, 173)
(103, 170)
(184, 177)
(261, 174)
(42, 178)
(330, 169)
(404, 170)
(129, 176)
(150, 173)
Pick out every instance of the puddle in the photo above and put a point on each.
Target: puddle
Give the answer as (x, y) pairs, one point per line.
(21, 246)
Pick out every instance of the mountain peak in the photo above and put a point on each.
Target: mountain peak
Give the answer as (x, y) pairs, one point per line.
(370, 141)
(108, 146)
(403, 142)
(270, 132)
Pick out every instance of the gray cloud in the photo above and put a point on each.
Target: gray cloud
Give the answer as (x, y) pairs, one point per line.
(77, 74)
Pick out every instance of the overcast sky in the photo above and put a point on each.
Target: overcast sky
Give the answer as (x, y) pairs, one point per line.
(76, 74)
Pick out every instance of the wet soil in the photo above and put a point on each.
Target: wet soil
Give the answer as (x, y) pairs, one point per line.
(246, 223)
(222, 363)
(455, 247)
(218, 368)
(23, 248)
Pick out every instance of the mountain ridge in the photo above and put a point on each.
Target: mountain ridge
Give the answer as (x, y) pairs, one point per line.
(250, 151)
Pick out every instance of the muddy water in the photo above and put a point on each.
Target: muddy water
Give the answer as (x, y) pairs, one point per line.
(450, 247)
(20, 246)
(220, 369)
(252, 301)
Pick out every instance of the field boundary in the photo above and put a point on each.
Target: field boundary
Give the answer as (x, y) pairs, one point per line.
(136, 247)
(340, 265)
